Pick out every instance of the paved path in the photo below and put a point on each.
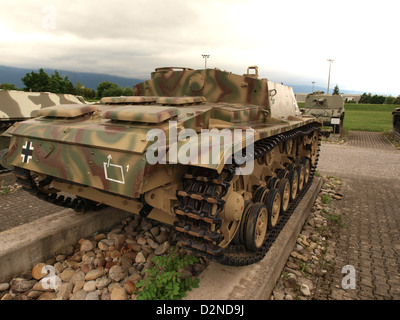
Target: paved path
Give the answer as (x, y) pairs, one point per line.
(21, 207)
(369, 167)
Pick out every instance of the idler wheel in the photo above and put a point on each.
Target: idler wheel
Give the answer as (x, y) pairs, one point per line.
(294, 182)
(284, 190)
(273, 203)
(256, 226)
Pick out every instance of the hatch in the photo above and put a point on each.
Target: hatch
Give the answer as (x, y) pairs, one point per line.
(67, 110)
(147, 114)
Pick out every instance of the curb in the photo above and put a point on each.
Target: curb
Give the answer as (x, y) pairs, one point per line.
(256, 281)
(23, 246)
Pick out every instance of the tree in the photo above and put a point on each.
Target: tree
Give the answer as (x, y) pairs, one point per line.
(42, 82)
(109, 89)
(81, 90)
(103, 86)
(389, 100)
(336, 90)
(56, 83)
(375, 99)
(8, 86)
(37, 82)
(365, 98)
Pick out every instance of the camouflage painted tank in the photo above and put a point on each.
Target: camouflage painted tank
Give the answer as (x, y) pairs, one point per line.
(396, 123)
(222, 157)
(328, 108)
(18, 106)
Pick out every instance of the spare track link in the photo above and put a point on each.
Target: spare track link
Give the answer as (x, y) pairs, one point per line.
(200, 203)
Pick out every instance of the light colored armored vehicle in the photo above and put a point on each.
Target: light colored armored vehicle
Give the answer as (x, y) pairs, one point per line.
(396, 123)
(18, 106)
(328, 108)
(224, 158)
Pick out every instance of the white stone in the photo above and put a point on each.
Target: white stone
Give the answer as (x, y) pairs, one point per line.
(140, 258)
(92, 296)
(90, 286)
(102, 282)
(305, 290)
(4, 286)
(162, 248)
(87, 245)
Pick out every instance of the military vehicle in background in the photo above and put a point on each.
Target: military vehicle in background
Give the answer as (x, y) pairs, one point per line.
(396, 123)
(18, 106)
(327, 108)
(224, 158)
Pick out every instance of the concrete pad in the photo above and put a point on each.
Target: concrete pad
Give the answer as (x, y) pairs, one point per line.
(23, 246)
(256, 281)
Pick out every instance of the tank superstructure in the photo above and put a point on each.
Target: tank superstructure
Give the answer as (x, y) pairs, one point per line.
(19, 105)
(222, 157)
(328, 108)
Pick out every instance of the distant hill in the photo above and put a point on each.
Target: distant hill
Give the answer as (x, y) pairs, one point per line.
(308, 89)
(14, 75)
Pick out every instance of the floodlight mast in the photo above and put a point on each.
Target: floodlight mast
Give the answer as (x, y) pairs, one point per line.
(205, 56)
(329, 75)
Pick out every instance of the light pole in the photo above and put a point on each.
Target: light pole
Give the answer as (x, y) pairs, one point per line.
(329, 75)
(313, 86)
(205, 56)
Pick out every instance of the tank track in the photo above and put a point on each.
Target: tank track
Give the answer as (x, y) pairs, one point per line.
(29, 184)
(200, 202)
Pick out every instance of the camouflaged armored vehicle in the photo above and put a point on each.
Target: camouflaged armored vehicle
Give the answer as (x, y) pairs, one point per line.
(222, 157)
(18, 106)
(396, 123)
(328, 108)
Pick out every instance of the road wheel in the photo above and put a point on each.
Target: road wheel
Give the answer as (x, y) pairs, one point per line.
(284, 190)
(300, 172)
(256, 226)
(273, 203)
(294, 182)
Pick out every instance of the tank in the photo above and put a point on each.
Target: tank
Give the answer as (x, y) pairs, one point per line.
(223, 158)
(328, 108)
(396, 123)
(18, 106)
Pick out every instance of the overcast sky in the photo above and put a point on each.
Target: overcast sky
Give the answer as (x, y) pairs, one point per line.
(290, 41)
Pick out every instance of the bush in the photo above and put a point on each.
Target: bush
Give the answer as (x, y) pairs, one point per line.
(164, 280)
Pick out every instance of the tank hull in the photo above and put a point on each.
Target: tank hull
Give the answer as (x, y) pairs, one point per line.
(220, 167)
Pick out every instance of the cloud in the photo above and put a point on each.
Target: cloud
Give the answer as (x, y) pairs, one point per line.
(289, 40)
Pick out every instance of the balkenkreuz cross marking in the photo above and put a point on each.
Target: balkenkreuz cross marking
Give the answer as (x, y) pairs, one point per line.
(27, 152)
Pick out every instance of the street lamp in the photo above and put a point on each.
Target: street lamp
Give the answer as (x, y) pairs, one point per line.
(205, 56)
(329, 76)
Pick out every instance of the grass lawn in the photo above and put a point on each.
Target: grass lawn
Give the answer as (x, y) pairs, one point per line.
(367, 117)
